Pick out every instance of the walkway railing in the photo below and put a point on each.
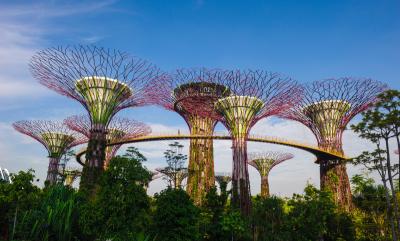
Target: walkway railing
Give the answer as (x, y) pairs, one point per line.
(226, 136)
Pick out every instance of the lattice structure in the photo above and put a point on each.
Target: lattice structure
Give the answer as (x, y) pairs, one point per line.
(327, 107)
(119, 129)
(71, 175)
(104, 81)
(55, 137)
(264, 162)
(175, 176)
(192, 93)
(254, 95)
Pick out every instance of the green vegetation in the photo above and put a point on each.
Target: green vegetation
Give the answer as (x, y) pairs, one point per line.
(123, 211)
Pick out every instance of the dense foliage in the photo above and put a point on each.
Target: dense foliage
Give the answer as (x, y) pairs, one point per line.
(123, 211)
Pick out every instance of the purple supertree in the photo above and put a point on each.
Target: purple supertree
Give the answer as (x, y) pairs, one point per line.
(119, 129)
(55, 137)
(264, 162)
(327, 107)
(253, 95)
(192, 93)
(104, 81)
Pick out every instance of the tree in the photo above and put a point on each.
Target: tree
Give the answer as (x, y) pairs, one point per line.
(176, 217)
(213, 210)
(175, 173)
(378, 125)
(370, 214)
(314, 216)
(16, 198)
(269, 219)
(121, 207)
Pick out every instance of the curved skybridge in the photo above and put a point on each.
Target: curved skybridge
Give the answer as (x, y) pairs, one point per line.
(314, 149)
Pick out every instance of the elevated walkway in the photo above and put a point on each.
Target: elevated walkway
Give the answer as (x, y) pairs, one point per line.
(318, 152)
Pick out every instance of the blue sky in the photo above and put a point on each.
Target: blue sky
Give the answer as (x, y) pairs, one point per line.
(307, 40)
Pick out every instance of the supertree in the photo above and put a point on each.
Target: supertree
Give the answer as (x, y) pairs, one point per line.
(327, 107)
(55, 137)
(70, 175)
(104, 81)
(264, 162)
(175, 177)
(192, 94)
(254, 95)
(118, 129)
(223, 179)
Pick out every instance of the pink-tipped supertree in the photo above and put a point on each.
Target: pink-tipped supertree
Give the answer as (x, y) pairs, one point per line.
(104, 81)
(192, 93)
(327, 107)
(55, 137)
(119, 129)
(253, 95)
(264, 162)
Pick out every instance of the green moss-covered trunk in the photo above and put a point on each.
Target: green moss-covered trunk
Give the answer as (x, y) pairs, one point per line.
(334, 178)
(264, 186)
(94, 165)
(201, 159)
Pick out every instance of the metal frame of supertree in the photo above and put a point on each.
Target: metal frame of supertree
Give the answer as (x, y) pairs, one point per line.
(263, 162)
(118, 129)
(174, 176)
(70, 175)
(192, 94)
(255, 94)
(326, 109)
(104, 81)
(56, 137)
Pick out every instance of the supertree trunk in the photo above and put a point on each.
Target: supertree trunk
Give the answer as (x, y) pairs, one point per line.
(95, 157)
(201, 159)
(264, 187)
(52, 171)
(241, 197)
(334, 178)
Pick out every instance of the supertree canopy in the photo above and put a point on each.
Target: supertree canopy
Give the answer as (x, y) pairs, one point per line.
(327, 107)
(223, 177)
(192, 93)
(175, 176)
(104, 81)
(71, 175)
(264, 162)
(118, 129)
(55, 137)
(254, 95)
